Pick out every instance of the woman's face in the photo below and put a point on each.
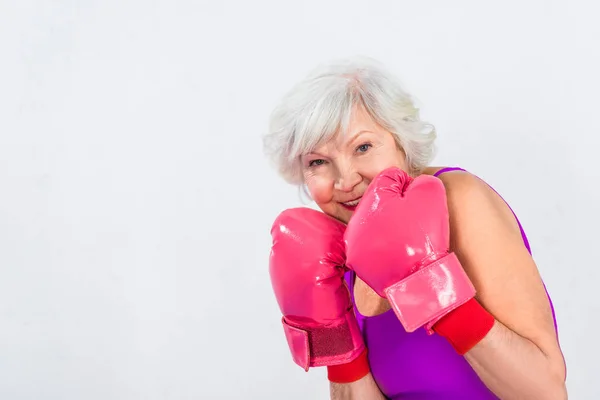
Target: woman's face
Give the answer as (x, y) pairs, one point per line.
(338, 173)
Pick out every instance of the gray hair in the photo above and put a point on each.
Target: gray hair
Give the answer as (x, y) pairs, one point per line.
(320, 106)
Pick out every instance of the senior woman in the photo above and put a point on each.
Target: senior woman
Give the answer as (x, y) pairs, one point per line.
(413, 281)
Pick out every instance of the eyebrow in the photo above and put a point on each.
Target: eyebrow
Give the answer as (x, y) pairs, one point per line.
(311, 153)
(352, 139)
(357, 134)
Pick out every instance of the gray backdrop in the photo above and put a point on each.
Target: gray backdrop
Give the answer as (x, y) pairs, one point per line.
(135, 202)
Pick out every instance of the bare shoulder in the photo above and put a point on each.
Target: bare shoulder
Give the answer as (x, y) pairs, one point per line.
(485, 236)
(472, 201)
(481, 224)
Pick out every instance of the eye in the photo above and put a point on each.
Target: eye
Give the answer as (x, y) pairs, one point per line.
(316, 163)
(364, 147)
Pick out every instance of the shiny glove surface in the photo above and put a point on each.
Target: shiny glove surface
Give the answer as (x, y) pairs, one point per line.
(307, 275)
(398, 243)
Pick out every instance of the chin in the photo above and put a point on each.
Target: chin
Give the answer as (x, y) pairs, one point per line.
(339, 212)
(344, 216)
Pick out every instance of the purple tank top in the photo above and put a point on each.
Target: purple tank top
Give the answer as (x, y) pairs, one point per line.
(418, 366)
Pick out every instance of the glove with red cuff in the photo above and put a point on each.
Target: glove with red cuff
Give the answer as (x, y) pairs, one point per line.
(398, 243)
(307, 274)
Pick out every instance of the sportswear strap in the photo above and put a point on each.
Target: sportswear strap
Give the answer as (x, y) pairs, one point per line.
(447, 169)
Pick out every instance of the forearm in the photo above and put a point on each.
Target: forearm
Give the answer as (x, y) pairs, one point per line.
(362, 389)
(515, 368)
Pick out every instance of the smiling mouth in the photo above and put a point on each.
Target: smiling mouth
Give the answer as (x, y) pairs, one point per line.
(351, 205)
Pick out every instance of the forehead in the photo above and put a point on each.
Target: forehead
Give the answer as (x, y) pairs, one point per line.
(360, 119)
(359, 123)
(347, 141)
(356, 122)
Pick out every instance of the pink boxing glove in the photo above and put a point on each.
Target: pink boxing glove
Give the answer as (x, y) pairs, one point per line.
(307, 274)
(398, 242)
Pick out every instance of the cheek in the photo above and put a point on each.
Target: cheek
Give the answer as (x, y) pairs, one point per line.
(320, 189)
(382, 160)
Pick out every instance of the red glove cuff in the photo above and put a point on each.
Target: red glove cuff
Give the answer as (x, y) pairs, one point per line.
(465, 326)
(351, 372)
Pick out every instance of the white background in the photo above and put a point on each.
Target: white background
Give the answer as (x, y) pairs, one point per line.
(135, 201)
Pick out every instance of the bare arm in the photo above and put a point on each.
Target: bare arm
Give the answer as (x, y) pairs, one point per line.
(514, 367)
(363, 389)
(520, 358)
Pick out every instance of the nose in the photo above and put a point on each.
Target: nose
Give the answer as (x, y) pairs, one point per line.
(347, 180)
